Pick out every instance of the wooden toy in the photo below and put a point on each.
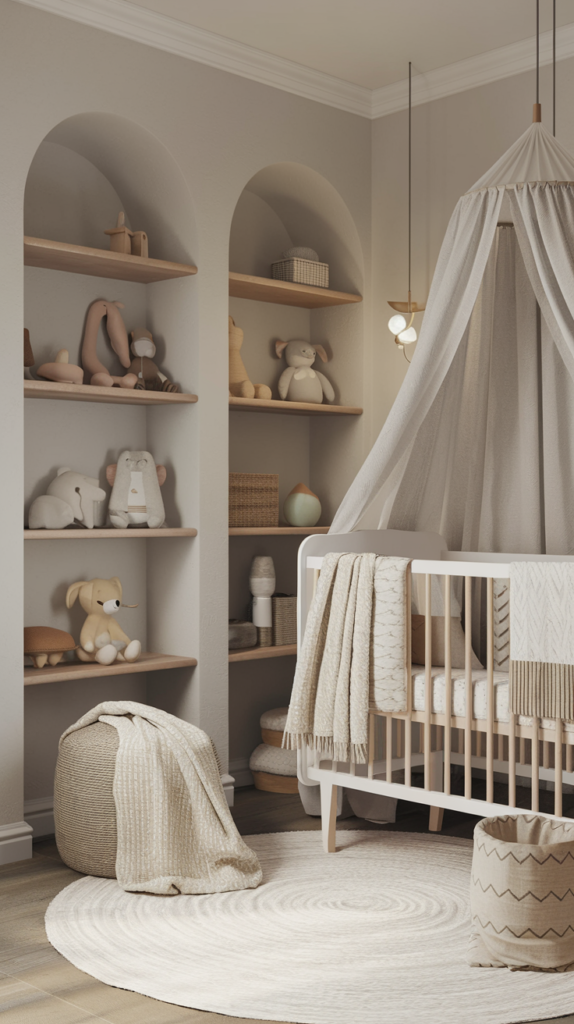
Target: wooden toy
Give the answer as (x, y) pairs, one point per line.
(101, 638)
(44, 644)
(120, 236)
(302, 507)
(61, 370)
(28, 355)
(299, 383)
(136, 496)
(239, 384)
(69, 498)
(117, 333)
(149, 377)
(139, 244)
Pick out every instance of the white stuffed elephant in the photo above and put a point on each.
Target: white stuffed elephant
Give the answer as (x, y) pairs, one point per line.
(69, 498)
(299, 383)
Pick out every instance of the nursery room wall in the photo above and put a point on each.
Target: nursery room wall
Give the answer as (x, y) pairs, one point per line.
(216, 132)
(454, 141)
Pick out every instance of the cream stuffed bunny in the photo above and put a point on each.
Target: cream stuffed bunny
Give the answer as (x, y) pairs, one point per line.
(299, 383)
(102, 639)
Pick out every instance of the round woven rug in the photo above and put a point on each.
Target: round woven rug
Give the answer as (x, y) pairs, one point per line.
(377, 931)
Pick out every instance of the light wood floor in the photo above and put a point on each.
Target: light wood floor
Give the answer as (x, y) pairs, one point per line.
(38, 986)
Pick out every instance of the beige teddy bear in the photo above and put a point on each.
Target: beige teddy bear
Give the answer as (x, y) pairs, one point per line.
(102, 639)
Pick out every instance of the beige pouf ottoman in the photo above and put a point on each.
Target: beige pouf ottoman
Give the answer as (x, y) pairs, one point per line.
(522, 893)
(274, 770)
(84, 806)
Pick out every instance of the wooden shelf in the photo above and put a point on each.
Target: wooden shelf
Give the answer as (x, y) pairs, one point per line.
(294, 408)
(276, 531)
(80, 259)
(114, 396)
(110, 533)
(255, 653)
(79, 670)
(265, 289)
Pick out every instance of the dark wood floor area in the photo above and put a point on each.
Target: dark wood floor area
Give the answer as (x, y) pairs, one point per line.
(38, 986)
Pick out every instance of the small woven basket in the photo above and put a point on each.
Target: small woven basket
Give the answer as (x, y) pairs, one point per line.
(300, 271)
(253, 499)
(284, 620)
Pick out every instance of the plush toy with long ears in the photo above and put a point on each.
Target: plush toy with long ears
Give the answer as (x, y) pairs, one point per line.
(97, 372)
(299, 383)
(102, 639)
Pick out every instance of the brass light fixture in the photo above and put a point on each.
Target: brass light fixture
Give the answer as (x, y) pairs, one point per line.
(401, 323)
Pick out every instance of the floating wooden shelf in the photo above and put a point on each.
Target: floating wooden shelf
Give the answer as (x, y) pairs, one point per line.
(114, 396)
(265, 289)
(294, 408)
(276, 531)
(78, 670)
(255, 653)
(110, 533)
(80, 259)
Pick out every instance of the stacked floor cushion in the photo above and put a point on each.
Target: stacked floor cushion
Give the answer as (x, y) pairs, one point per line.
(274, 769)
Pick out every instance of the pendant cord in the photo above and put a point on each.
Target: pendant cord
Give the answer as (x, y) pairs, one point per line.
(554, 67)
(410, 116)
(538, 51)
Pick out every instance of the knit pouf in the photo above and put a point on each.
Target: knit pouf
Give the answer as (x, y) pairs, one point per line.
(522, 893)
(84, 807)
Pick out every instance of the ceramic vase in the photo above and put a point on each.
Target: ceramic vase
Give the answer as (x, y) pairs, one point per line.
(302, 507)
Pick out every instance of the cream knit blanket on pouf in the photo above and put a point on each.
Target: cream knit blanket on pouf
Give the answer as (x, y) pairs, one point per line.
(175, 830)
(337, 666)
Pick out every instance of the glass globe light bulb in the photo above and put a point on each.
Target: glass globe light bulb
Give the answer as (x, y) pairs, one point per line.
(397, 323)
(407, 337)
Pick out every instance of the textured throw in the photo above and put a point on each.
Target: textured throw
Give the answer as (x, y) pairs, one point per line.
(175, 830)
(542, 639)
(329, 707)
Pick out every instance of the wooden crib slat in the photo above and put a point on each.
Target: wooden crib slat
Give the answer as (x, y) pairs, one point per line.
(468, 678)
(558, 770)
(448, 683)
(522, 748)
(389, 749)
(428, 682)
(371, 746)
(534, 757)
(489, 691)
(511, 761)
(410, 684)
(546, 754)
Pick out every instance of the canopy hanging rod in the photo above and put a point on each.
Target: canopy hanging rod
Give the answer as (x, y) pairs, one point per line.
(537, 109)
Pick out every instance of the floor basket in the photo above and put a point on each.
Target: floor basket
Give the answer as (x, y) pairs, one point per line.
(253, 499)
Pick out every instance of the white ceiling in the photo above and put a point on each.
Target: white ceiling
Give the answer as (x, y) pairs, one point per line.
(366, 42)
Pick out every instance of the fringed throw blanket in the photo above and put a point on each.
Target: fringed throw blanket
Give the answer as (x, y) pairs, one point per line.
(175, 830)
(329, 708)
(542, 639)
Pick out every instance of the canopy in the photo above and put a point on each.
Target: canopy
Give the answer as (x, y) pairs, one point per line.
(479, 444)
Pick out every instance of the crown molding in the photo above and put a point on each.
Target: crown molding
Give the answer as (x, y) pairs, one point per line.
(504, 62)
(123, 18)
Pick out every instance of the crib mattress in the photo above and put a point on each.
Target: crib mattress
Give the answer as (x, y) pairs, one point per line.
(479, 691)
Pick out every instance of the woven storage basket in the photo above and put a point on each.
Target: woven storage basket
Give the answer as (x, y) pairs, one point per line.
(301, 272)
(84, 806)
(253, 499)
(284, 620)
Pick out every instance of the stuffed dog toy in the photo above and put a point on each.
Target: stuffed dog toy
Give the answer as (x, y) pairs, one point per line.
(299, 383)
(102, 639)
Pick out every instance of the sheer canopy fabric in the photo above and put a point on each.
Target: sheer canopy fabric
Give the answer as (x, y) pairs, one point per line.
(478, 444)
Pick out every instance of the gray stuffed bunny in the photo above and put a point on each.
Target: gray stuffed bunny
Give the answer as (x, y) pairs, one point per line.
(299, 383)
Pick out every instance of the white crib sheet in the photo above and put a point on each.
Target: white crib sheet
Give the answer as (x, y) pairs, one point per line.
(479, 689)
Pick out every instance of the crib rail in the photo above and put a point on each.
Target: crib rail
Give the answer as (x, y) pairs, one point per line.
(437, 742)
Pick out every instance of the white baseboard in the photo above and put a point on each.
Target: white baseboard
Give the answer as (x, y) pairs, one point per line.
(228, 783)
(15, 842)
(240, 770)
(39, 814)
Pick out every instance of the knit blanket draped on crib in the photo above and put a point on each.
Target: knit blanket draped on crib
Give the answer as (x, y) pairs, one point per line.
(351, 659)
(175, 830)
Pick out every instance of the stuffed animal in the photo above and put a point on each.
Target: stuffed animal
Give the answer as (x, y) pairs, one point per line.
(299, 383)
(69, 498)
(61, 370)
(148, 375)
(239, 384)
(136, 497)
(102, 639)
(119, 339)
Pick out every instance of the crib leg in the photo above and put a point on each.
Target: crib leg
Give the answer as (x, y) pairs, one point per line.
(436, 814)
(328, 815)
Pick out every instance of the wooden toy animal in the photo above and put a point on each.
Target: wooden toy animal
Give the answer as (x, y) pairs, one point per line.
(239, 384)
(98, 374)
(148, 374)
(69, 498)
(101, 638)
(136, 497)
(299, 383)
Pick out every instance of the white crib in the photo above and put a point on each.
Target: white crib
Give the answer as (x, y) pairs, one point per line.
(422, 738)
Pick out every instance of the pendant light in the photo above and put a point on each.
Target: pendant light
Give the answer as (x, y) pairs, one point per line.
(399, 325)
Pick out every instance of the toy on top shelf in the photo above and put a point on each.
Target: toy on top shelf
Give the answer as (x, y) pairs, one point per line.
(70, 498)
(301, 507)
(149, 377)
(44, 644)
(101, 638)
(61, 370)
(140, 244)
(299, 383)
(120, 236)
(99, 376)
(28, 355)
(136, 496)
(239, 384)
